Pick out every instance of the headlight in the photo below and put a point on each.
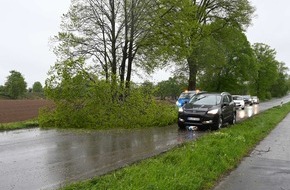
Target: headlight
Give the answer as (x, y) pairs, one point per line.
(180, 109)
(177, 103)
(214, 111)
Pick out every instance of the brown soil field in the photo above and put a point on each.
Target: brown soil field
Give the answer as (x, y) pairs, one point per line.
(20, 110)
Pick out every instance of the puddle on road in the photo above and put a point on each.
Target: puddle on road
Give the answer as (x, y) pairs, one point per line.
(40, 159)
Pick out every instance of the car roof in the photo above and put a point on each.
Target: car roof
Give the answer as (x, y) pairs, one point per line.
(215, 93)
(190, 91)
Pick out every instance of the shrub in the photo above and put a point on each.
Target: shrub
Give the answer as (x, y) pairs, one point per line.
(93, 106)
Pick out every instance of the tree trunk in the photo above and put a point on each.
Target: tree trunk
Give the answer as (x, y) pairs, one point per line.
(192, 74)
(131, 54)
(124, 49)
(114, 52)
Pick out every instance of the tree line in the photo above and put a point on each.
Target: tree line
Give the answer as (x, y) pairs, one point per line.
(15, 87)
(258, 73)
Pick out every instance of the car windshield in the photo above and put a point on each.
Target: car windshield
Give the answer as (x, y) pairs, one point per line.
(237, 97)
(206, 99)
(186, 95)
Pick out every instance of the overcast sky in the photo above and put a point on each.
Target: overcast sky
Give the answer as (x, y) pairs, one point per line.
(26, 27)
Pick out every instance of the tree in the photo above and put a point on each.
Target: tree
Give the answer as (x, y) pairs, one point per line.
(267, 70)
(2, 90)
(106, 35)
(229, 56)
(170, 88)
(281, 87)
(37, 87)
(183, 25)
(15, 85)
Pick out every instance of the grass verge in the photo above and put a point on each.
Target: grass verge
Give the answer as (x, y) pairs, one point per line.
(194, 165)
(19, 125)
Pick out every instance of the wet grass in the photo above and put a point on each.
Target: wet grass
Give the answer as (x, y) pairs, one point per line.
(19, 125)
(196, 165)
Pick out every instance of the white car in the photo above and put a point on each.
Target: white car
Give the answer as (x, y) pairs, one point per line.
(239, 101)
(255, 100)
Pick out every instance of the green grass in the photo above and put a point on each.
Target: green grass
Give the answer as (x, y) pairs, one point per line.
(19, 125)
(194, 165)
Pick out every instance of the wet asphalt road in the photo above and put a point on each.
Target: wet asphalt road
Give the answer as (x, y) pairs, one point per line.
(46, 159)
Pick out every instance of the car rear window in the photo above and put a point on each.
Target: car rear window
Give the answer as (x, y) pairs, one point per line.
(237, 97)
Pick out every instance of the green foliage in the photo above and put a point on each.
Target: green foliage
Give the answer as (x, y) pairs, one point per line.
(171, 87)
(2, 88)
(184, 27)
(18, 125)
(267, 73)
(196, 164)
(80, 103)
(82, 100)
(37, 87)
(229, 61)
(281, 85)
(15, 86)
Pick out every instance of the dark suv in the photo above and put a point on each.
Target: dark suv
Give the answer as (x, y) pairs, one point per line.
(208, 110)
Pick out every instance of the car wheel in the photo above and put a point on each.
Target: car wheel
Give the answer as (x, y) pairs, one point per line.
(219, 124)
(181, 125)
(234, 119)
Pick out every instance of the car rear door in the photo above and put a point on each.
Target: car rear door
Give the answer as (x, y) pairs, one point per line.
(227, 107)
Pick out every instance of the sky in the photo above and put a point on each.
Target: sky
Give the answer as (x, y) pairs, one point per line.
(27, 26)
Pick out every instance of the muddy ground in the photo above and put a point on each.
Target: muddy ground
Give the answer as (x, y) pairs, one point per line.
(20, 110)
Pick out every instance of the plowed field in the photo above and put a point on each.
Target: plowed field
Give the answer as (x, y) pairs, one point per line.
(20, 110)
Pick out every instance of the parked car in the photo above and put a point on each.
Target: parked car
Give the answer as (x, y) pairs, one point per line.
(208, 110)
(184, 97)
(248, 100)
(255, 100)
(239, 101)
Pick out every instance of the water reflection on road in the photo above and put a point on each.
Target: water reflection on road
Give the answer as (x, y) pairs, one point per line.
(44, 159)
(247, 112)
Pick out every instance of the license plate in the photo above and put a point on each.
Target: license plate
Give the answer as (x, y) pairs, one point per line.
(193, 119)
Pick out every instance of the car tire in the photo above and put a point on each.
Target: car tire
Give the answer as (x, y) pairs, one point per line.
(181, 125)
(233, 119)
(219, 124)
